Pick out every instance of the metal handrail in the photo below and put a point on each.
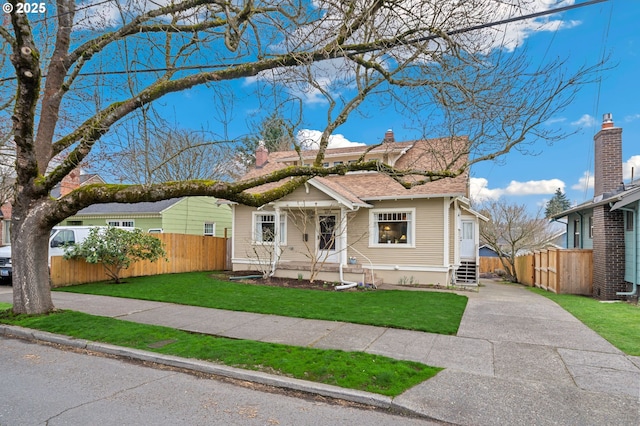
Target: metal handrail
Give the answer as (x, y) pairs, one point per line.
(373, 275)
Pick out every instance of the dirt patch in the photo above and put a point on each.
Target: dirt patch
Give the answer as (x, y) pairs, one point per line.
(279, 282)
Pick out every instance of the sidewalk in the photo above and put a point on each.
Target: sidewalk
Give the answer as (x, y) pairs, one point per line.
(518, 358)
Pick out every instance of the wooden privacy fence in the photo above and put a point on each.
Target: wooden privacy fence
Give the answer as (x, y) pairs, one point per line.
(568, 271)
(490, 264)
(185, 253)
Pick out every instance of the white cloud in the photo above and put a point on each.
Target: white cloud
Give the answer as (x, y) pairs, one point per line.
(310, 139)
(632, 117)
(632, 163)
(585, 182)
(555, 120)
(534, 187)
(479, 190)
(585, 121)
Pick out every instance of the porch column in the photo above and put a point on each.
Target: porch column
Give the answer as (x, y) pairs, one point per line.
(343, 236)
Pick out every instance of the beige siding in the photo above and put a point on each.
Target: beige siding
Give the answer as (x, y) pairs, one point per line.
(301, 194)
(429, 244)
(242, 231)
(294, 248)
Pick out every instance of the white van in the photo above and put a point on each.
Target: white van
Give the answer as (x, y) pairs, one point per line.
(60, 237)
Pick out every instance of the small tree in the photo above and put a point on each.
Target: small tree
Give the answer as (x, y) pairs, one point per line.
(267, 253)
(116, 249)
(512, 230)
(557, 204)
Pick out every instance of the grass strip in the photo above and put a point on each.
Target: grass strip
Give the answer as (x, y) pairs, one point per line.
(433, 312)
(4, 306)
(618, 323)
(354, 370)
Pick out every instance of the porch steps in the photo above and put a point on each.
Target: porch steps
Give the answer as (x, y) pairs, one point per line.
(467, 273)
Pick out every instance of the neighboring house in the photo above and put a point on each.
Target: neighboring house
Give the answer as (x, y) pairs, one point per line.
(487, 251)
(186, 215)
(609, 223)
(558, 240)
(362, 225)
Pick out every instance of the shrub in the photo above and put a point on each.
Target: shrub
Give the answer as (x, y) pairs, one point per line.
(116, 249)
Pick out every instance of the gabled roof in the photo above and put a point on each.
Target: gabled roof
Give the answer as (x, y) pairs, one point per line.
(628, 195)
(360, 187)
(156, 207)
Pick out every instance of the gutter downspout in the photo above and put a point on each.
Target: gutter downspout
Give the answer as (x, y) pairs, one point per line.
(634, 291)
(581, 231)
(453, 266)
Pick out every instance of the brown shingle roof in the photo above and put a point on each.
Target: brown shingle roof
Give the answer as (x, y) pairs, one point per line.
(426, 155)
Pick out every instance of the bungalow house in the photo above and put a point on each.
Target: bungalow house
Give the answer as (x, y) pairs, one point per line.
(185, 215)
(362, 226)
(609, 223)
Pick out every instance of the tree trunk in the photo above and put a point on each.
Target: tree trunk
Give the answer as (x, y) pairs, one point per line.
(30, 259)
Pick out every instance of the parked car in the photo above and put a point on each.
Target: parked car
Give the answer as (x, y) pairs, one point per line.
(60, 238)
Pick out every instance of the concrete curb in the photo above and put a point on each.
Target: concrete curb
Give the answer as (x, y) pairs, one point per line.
(330, 391)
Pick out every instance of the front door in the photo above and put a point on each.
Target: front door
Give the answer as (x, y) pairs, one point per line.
(328, 241)
(468, 240)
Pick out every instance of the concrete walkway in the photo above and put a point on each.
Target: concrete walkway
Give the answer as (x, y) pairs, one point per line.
(518, 357)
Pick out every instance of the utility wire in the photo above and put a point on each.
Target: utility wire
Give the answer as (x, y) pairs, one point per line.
(414, 41)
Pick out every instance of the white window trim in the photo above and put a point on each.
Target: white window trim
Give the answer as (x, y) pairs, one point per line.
(373, 229)
(204, 230)
(281, 227)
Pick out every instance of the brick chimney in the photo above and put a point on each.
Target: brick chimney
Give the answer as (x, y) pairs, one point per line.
(70, 182)
(608, 226)
(388, 137)
(262, 155)
(608, 157)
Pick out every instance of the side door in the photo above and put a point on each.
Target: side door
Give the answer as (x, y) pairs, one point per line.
(468, 240)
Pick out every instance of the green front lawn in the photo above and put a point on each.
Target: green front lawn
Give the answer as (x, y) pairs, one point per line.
(619, 323)
(355, 370)
(431, 312)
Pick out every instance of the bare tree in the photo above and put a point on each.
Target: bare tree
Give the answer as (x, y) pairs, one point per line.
(174, 155)
(329, 230)
(267, 253)
(100, 62)
(512, 230)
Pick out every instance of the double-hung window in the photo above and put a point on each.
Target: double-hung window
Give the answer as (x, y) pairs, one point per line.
(267, 226)
(121, 223)
(210, 229)
(393, 226)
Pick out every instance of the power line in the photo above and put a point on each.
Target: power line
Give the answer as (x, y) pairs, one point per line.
(413, 41)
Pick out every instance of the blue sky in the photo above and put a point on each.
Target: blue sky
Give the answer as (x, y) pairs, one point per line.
(609, 28)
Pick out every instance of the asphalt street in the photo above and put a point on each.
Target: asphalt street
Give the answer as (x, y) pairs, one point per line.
(43, 385)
